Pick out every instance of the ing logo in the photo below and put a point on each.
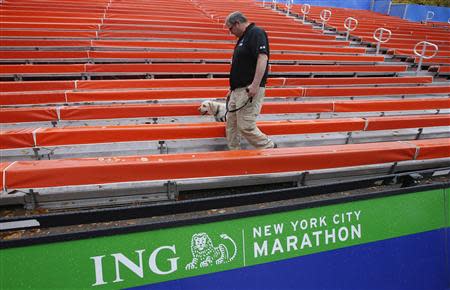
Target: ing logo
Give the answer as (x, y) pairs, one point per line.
(205, 254)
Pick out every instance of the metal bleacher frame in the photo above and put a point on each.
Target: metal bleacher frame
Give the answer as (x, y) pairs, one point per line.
(46, 78)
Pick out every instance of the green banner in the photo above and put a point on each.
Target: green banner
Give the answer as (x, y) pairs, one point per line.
(142, 258)
(447, 202)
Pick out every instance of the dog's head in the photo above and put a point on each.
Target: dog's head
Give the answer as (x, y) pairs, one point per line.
(215, 109)
(206, 107)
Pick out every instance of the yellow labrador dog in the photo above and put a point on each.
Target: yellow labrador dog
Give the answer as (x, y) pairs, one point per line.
(216, 109)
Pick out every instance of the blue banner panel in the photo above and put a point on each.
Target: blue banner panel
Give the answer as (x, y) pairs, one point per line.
(381, 6)
(398, 10)
(413, 262)
(355, 4)
(411, 12)
(419, 13)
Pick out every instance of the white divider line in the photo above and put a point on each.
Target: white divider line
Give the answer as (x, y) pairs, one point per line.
(34, 136)
(65, 97)
(303, 92)
(334, 107)
(4, 175)
(58, 113)
(243, 248)
(366, 124)
(416, 153)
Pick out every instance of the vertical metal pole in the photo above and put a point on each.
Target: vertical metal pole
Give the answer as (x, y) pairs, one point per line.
(372, 5)
(419, 65)
(406, 10)
(389, 8)
(379, 42)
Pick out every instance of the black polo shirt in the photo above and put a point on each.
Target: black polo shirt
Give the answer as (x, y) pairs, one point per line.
(253, 42)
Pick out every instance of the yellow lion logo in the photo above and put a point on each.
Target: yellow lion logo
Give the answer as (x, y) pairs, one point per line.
(205, 254)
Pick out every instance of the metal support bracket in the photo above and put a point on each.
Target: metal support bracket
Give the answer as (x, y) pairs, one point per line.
(349, 138)
(163, 149)
(172, 190)
(419, 133)
(302, 179)
(36, 153)
(30, 200)
(393, 167)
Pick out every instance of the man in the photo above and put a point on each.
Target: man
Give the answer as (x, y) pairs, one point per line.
(248, 76)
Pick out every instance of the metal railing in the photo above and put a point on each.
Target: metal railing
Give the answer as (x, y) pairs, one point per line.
(305, 11)
(422, 55)
(348, 25)
(379, 37)
(325, 16)
(289, 4)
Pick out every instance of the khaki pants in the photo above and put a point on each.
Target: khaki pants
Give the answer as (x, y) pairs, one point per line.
(243, 122)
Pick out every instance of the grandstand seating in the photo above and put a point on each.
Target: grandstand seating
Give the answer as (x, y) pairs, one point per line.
(44, 137)
(57, 115)
(103, 87)
(405, 34)
(164, 94)
(69, 172)
(79, 70)
(31, 86)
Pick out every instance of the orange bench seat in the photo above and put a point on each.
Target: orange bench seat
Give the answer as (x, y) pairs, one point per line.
(90, 171)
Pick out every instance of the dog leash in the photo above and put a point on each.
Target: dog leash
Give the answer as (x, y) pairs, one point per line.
(249, 100)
